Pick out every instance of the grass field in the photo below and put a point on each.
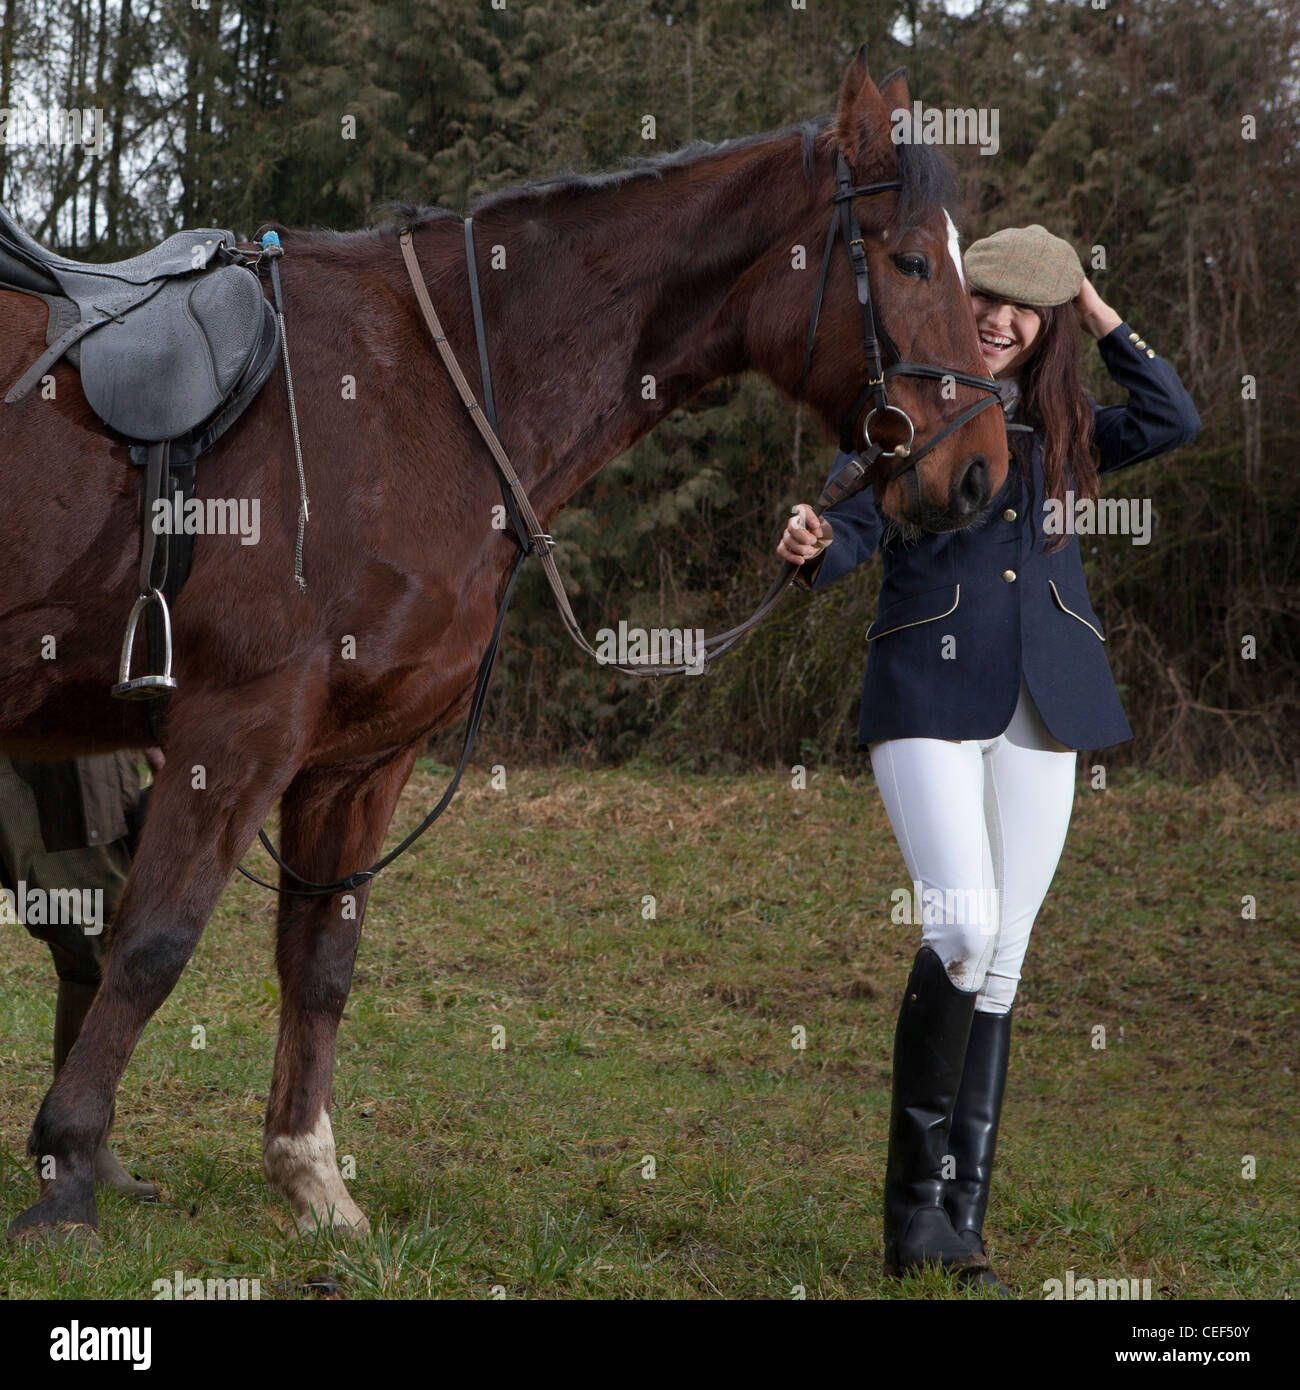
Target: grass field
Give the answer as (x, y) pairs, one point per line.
(648, 1129)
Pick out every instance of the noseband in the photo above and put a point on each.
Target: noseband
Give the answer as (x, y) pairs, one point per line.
(845, 223)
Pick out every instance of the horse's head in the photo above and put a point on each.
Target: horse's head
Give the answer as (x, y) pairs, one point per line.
(918, 315)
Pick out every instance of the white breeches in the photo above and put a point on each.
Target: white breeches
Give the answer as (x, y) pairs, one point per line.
(981, 824)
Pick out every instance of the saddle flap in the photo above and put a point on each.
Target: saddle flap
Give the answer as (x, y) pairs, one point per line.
(169, 365)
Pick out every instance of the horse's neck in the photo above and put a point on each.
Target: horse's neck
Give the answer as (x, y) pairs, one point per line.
(618, 305)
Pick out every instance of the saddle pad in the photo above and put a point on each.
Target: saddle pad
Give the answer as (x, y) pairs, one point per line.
(169, 365)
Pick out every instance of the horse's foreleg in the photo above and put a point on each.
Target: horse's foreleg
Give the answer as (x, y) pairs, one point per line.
(192, 840)
(333, 822)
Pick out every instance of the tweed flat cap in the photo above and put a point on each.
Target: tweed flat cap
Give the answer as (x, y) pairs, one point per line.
(1027, 265)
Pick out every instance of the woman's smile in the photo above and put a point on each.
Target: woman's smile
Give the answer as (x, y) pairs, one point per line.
(1007, 331)
(996, 346)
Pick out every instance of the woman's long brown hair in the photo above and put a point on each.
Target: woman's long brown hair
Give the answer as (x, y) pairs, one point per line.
(1052, 401)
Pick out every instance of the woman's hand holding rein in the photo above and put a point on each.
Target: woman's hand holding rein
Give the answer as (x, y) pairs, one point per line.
(806, 535)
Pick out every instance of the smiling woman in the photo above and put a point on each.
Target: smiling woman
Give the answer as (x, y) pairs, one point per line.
(986, 672)
(1007, 331)
(1031, 347)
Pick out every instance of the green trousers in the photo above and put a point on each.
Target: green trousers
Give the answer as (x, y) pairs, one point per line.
(63, 844)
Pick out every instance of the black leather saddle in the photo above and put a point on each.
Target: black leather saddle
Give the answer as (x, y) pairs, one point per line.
(164, 341)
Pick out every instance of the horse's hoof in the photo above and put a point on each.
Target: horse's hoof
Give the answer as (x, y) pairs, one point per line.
(344, 1219)
(138, 1190)
(63, 1207)
(353, 1226)
(322, 1287)
(302, 1168)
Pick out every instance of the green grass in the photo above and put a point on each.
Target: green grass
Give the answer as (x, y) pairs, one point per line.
(648, 1130)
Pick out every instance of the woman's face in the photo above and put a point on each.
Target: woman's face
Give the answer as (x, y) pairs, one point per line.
(1007, 332)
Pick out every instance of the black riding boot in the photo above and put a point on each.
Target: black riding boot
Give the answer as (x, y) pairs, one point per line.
(975, 1132)
(929, 1048)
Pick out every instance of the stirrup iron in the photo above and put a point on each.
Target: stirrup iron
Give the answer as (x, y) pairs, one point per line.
(145, 687)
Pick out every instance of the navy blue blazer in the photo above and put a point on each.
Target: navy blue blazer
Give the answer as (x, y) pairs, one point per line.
(964, 614)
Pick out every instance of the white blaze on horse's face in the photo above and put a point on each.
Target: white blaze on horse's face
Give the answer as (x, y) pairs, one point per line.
(953, 249)
(955, 252)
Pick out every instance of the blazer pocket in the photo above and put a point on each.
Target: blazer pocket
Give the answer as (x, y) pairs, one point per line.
(1089, 622)
(917, 609)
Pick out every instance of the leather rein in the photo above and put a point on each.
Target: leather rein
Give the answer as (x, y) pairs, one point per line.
(532, 537)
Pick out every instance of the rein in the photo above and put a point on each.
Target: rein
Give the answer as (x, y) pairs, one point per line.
(533, 538)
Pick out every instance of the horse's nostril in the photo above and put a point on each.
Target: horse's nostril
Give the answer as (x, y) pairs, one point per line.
(973, 487)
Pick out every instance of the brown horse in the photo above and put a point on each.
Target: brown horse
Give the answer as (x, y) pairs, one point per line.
(681, 270)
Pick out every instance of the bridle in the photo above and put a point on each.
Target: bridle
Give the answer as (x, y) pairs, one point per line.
(844, 222)
(532, 536)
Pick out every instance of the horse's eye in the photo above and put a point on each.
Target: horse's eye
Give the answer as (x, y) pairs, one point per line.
(913, 265)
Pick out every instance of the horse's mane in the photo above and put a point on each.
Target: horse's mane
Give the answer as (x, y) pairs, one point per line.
(927, 179)
(654, 166)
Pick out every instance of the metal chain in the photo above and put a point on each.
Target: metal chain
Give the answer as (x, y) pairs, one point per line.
(272, 251)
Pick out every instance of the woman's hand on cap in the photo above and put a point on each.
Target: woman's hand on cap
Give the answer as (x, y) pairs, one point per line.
(1095, 315)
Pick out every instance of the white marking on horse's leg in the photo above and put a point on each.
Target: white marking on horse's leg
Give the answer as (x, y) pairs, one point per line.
(953, 249)
(303, 1168)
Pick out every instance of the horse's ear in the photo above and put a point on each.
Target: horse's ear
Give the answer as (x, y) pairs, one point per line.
(894, 92)
(862, 114)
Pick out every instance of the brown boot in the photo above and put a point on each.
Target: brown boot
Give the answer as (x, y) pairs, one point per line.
(69, 1014)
